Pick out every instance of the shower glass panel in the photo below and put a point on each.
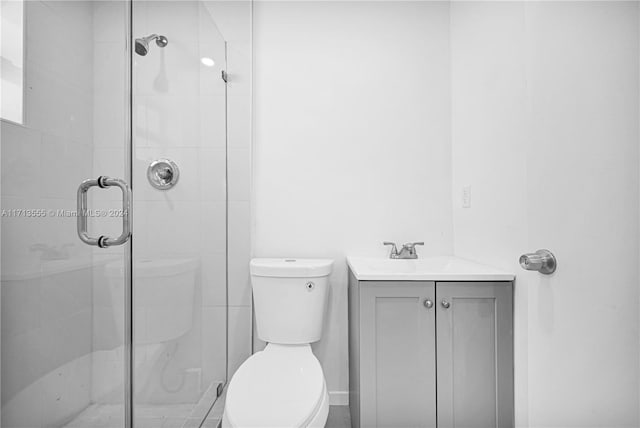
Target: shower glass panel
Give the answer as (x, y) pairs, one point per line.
(93, 107)
(63, 309)
(179, 252)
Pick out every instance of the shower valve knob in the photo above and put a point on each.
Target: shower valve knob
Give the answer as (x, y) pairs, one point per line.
(163, 174)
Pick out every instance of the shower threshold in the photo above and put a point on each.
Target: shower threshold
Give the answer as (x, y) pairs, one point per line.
(148, 415)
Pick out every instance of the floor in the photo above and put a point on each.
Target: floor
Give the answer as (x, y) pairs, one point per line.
(148, 416)
(174, 416)
(158, 416)
(339, 416)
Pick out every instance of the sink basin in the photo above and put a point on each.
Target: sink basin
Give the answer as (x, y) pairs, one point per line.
(425, 269)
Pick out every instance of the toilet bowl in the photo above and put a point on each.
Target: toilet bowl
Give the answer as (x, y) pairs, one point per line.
(283, 386)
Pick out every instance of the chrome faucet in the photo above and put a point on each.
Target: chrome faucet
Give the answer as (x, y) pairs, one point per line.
(408, 250)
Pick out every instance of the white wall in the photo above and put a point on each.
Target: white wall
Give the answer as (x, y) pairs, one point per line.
(545, 130)
(489, 118)
(351, 138)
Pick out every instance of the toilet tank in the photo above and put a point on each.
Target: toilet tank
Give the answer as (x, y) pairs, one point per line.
(290, 298)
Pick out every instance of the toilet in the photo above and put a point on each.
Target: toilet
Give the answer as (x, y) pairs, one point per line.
(283, 386)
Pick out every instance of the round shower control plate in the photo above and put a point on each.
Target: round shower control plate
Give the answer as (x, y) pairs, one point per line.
(163, 174)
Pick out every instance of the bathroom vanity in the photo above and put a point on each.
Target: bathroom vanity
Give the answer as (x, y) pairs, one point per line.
(430, 343)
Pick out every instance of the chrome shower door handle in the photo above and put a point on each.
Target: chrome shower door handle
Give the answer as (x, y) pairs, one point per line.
(103, 182)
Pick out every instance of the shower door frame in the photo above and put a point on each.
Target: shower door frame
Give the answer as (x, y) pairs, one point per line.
(129, 348)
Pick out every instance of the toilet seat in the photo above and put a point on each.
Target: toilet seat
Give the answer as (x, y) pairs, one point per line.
(282, 386)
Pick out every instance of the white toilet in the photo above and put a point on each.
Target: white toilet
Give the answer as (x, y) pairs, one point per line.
(283, 386)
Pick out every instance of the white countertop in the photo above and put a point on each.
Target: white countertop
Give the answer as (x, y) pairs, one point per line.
(424, 269)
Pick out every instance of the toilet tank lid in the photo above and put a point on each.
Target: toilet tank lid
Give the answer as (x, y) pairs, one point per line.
(291, 267)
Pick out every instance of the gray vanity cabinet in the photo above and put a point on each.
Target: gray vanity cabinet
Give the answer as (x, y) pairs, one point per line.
(475, 354)
(430, 354)
(397, 355)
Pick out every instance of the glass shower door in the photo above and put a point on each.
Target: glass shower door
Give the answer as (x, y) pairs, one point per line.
(64, 312)
(179, 178)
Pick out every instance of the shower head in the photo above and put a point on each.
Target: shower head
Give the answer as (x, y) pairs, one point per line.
(142, 45)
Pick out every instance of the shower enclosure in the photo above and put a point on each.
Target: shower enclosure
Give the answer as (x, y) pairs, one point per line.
(129, 330)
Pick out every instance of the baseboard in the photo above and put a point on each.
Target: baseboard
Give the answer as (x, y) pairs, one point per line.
(338, 398)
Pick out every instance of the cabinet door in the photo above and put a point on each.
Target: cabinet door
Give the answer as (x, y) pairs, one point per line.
(397, 354)
(475, 354)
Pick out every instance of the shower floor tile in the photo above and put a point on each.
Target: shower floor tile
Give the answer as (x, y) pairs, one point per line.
(147, 416)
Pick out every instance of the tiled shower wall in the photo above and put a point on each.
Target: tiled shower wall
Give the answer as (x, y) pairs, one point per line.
(48, 302)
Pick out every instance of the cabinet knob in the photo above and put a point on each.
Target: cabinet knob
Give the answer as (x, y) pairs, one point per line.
(428, 304)
(445, 304)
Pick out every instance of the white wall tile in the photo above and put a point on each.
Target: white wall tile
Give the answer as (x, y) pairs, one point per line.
(109, 161)
(21, 233)
(109, 21)
(239, 254)
(240, 283)
(214, 334)
(21, 307)
(239, 121)
(214, 279)
(212, 121)
(173, 121)
(239, 173)
(213, 232)
(239, 66)
(239, 337)
(109, 65)
(76, 160)
(213, 172)
(164, 216)
(110, 117)
(163, 14)
(20, 160)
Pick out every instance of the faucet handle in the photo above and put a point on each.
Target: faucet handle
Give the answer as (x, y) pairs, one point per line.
(394, 249)
(411, 245)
